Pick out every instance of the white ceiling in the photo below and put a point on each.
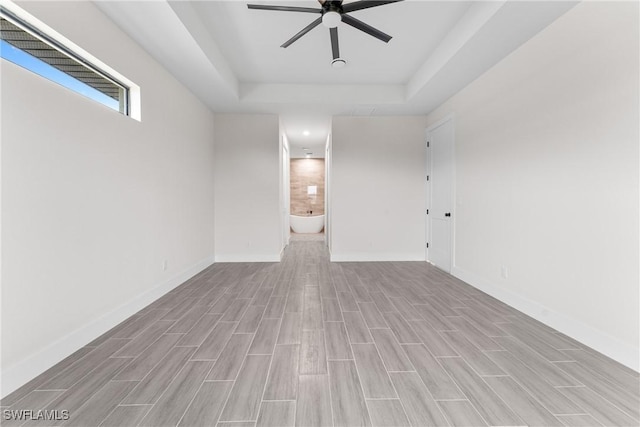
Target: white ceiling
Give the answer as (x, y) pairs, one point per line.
(250, 41)
(230, 56)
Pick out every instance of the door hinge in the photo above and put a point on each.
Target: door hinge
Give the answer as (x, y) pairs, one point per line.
(427, 245)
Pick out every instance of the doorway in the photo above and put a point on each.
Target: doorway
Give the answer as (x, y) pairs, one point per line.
(440, 193)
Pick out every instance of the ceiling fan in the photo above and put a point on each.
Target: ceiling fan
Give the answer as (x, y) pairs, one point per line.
(332, 13)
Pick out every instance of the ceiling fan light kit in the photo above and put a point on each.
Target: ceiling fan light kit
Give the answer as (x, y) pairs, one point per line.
(338, 63)
(331, 19)
(332, 13)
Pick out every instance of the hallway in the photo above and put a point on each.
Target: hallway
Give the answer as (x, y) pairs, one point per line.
(308, 342)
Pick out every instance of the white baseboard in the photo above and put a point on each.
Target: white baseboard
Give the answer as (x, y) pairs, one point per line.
(591, 337)
(24, 371)
(248, 258)
(375, 257)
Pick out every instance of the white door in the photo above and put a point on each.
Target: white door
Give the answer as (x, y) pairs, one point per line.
(440, 189)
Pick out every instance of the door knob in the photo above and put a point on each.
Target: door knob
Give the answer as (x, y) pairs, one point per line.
(447, 214)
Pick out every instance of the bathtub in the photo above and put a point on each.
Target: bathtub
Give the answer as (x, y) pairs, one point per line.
(307, 224)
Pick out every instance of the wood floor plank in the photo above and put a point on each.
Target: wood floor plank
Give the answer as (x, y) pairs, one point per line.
(331, 310)
(262, 297)
(290, 328)
(187, 321)
(360, 293)
(295, 302)
(610, 369)
(236, 424)
(349, 406)
(174, 402)
(200, 331)
(81, 392)
(483, 398)
(461, 413)
(439, 384)
(536, 343)
(47, 375)
(418, 403)
(314, 401)
(180, 309)
(230, 360)
(392, 354)
(312, 313)
(277, 414)
(431, 339)
(405, 308)
(34, 401)
(549, 396)
(434, 319)
(597, 407)
(126, 415)
(472, 354)
(265, 337)
(387, 413)
(473, 334)
(337, 341)
(243, 403)
(356, 328)
(206, 407)
(133, 326)
(579, 420)
(347, 301)
(222, 304)
(282, 383)
(525, 405)
(149, 390)
(81, 367)
(372, 316)
(373, 376)
(626, 402)
(403, 332)
(541, 366)
(382, 302)
(249, 290)
(236, 310)
(251, 319)
(138, 344)
(213, 344)
(275, 307)
(100, 404)
(313, 359)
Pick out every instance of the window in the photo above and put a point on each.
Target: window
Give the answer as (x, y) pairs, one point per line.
(27, 46)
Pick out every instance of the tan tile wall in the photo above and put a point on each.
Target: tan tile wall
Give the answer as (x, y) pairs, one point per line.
(305, 172)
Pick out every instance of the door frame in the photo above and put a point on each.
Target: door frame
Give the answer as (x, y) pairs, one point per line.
(452, 235)
(286, 190)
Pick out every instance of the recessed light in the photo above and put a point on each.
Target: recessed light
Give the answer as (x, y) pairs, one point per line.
(305, 133)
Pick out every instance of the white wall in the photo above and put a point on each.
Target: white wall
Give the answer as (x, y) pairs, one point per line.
(378, 188)
(547, 177)
(247, 187)
(93, 202)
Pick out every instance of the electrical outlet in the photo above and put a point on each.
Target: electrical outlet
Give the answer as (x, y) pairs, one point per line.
(504, 272)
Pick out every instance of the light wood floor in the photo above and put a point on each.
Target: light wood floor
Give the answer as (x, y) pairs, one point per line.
(312, 343)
